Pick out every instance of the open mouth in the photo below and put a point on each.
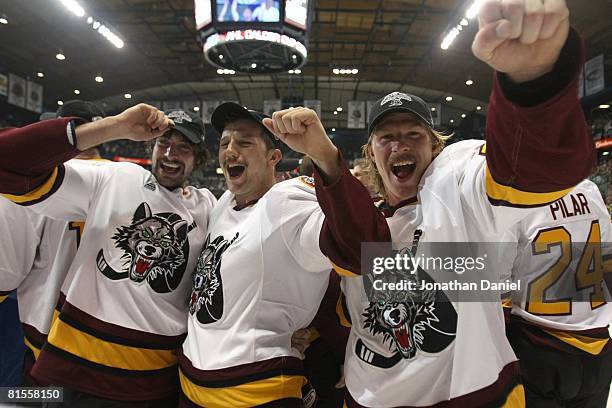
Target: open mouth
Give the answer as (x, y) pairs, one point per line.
(235, 171)
(142, 265)
(171, 168)
(402, 337)
(404, 169)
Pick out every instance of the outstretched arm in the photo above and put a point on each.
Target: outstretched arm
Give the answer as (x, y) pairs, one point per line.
(29, 155)
(538, 143)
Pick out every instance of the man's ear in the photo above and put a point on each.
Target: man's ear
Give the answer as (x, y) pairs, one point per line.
(276, 156)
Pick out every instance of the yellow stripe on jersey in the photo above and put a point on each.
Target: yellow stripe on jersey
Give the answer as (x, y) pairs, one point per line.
(90, 348)
(344, 321)
(516, 398)
(250, 394)
(589, 344)
(514, 196)
(507, 303)
(342, 271)
(3, 298)
(37, 193)
(32, 347)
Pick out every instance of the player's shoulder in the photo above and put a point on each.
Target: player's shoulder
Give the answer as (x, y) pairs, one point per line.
(301, 186)
(205, 195)
(465, 149)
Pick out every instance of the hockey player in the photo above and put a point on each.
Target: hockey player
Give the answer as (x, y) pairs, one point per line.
(259, 279)
(37, 257)
(123, 317)
(422, 349)
(560, 316)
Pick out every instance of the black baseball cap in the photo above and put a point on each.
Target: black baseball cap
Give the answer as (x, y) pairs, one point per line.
(399, 102)
(85, 110)
(187, 124)
(231, 111)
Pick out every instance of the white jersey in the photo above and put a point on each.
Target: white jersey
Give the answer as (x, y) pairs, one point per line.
(395, 344)
(559, 264)
(260, 278)
(21, 231)
(126, 304)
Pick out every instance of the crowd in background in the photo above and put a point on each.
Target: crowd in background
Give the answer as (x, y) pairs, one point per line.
(208, 176)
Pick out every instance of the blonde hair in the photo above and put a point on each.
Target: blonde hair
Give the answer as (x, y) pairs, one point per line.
(438, 141)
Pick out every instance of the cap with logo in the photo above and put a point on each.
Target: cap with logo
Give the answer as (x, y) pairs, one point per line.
(187, 124)
(85, 110)
(232, 111)
(399, 102)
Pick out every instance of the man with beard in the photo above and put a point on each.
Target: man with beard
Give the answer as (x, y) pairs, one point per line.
(259, 279)
(123, 316)
(418, 348)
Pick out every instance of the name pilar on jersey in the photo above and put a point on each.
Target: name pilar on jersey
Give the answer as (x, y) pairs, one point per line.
(572, 205)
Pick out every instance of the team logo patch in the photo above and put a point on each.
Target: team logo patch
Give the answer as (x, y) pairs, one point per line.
(309, 181)
(396, 99)
(206, 300)
(408, 321)
(155, 250)
(179, 116)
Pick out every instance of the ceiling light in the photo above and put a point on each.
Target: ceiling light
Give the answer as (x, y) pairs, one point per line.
(127, 96)
(339, 108)
(219, 171)
(291, 71)
(452, 121)
(355, 71)
(60, 56)
(196, 108)
(604, 106)
(469, 82)
(3, 20)
(336, 71)
(473, 10)
(76, 92)
(433, 109)
(333, 129)
(605, 153)
(60, 103)
(90, 20)
(40, 74)
(298, 71)
(221, 56)
(253, 65)
(479, 108)
(335, 112)
(449, 99)
(99, 79)
(463, 115)
(464, 22)
(74, 7)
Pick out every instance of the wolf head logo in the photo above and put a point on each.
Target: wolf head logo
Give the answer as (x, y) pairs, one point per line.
(207, 294)
(155, 248)
(410, 321)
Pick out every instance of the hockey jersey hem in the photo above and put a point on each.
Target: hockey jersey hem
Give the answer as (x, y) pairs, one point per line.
(507, 391)
(593, 341)
(251, 384)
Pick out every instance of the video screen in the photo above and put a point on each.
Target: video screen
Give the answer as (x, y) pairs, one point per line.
(203, 13)
(296, 13)
(262, 11)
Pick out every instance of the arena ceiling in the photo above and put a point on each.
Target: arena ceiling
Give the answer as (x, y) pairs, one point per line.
(395, 44)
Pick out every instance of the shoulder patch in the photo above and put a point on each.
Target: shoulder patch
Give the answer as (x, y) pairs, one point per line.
(309, 181)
